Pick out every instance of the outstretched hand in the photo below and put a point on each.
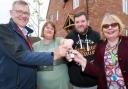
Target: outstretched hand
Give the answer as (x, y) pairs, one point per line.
(64, 47)
(74, 55)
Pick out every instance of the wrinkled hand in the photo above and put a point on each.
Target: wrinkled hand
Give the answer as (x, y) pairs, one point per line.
(70, 55)
(67, 43)
(74, 55)
(61, 51)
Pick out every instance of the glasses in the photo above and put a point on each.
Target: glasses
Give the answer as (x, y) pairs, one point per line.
(20, 12)
(113, 25)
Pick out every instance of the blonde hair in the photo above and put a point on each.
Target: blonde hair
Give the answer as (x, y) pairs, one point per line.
(116, 19)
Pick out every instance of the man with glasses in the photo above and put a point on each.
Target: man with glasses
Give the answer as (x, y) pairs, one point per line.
(17, 60)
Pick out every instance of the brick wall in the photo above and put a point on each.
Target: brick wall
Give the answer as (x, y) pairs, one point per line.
(63, 13)
(96, 10)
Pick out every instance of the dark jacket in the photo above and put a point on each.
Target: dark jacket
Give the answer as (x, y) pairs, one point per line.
(77, 77)
(97, 68)
(17, 60)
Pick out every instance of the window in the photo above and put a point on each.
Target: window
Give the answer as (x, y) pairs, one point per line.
(76, 4)
(51, 18)
(69, 23)
(125, 6)
(126, 30)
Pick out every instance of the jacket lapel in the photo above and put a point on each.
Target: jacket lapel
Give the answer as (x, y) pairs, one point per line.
(14, 27)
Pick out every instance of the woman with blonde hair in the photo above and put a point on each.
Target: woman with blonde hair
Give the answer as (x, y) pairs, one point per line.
(111, 62)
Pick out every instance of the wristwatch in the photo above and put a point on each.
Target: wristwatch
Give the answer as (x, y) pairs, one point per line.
(52, 54)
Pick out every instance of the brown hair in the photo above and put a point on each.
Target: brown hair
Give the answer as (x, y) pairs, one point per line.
(79, 14)
(52, 24)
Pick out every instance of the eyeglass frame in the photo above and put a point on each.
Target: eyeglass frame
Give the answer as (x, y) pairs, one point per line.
(113, 25)
(22, 12)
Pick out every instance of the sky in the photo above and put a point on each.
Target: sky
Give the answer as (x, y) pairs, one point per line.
(6, 5)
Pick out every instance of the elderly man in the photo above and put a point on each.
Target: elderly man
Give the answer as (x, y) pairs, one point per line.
(17, 60)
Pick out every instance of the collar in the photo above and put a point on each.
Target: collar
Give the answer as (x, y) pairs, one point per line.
(26, 30)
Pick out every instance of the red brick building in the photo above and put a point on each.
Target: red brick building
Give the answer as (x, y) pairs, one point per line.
(61, 12)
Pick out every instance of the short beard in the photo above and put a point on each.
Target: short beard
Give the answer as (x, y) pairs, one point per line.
(83, 32)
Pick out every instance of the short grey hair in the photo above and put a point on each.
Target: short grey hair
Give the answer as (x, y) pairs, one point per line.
(21, 2)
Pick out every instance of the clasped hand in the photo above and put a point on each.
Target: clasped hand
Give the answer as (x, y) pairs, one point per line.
(74, 55)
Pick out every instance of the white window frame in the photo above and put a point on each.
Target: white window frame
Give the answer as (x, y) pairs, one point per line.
(76, 4)
(126, 32)
(125, 6)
